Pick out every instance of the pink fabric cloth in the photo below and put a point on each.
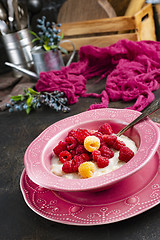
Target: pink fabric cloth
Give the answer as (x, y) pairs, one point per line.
(131, 69)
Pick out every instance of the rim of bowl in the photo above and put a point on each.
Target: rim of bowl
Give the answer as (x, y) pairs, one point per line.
(34, 155)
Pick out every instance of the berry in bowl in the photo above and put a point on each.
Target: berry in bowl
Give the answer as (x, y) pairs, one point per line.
(83, 153)
(91, 153)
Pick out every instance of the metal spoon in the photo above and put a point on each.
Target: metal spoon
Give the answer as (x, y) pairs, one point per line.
(10, 14)
(16, 15)
(23, 15)
(154, 106)
(23, 70)
(3, 27)
(34, 7)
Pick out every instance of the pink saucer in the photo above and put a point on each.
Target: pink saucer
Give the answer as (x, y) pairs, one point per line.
(130, 197)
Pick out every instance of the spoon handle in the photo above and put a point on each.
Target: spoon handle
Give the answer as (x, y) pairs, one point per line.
(154, 106)
(15, 7)
(10, 14)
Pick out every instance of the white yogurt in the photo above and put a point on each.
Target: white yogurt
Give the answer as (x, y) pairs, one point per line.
(114, 163)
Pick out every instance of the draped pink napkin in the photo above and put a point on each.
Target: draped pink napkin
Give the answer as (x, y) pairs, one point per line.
(131, 69)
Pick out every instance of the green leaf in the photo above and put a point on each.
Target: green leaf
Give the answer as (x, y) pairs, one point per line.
(35, 39)
(27, 94)
(47, 48)
(18, 98)
(28, 110)
(22, 97)
(54, 47)
(62, 36)
(34, 34)
(34, 105)
(33, 91)
(29, 101)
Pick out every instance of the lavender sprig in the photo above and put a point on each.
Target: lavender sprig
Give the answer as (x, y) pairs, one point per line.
(33, 100)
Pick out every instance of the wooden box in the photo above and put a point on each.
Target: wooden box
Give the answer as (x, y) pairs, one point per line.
(107, 31)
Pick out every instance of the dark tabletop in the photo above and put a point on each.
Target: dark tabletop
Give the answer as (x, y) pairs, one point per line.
(17, 220)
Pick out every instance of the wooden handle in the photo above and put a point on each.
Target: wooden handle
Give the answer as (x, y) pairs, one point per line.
(108, 8)
(134, 6)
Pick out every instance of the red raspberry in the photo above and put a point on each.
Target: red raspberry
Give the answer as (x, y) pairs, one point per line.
(105, 129)
(90, 156)
(60, 147)
(85, 156)
(118, 144)
(96, 154)
(103, 144)
(109, 139)
(76, 162)
(106, 152)
(71, 142)
(81, 134)
(67, 167)
(73, 152)
(80, 149)
(64, 156)
(102, 162)
(99, 135)
(125, 154)
(71, 133)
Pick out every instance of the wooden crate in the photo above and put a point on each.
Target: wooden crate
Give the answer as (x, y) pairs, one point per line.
(107, 31)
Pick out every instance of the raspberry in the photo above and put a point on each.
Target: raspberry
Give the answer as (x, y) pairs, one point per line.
(91, 143)
(81, 134)
(64, 156)
(109, 140)
(67, 167)
(102, 162)
(118, 144)
(105, 129)
(125, 154)
(106, 152)
(73, 152)
(86, 169)
(103, 144)
(80, 149)
(99, 135)
(77, 160)
(71, 142)
(71, 133)
(85, 156)
(60, 147)
(96, 154)
(90, 156)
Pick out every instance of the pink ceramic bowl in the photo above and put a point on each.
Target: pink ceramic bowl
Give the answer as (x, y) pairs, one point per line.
(38, 155)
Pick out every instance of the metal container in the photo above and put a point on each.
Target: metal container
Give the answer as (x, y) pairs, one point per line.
(26, 44)
(18, 47)
(46, 61)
